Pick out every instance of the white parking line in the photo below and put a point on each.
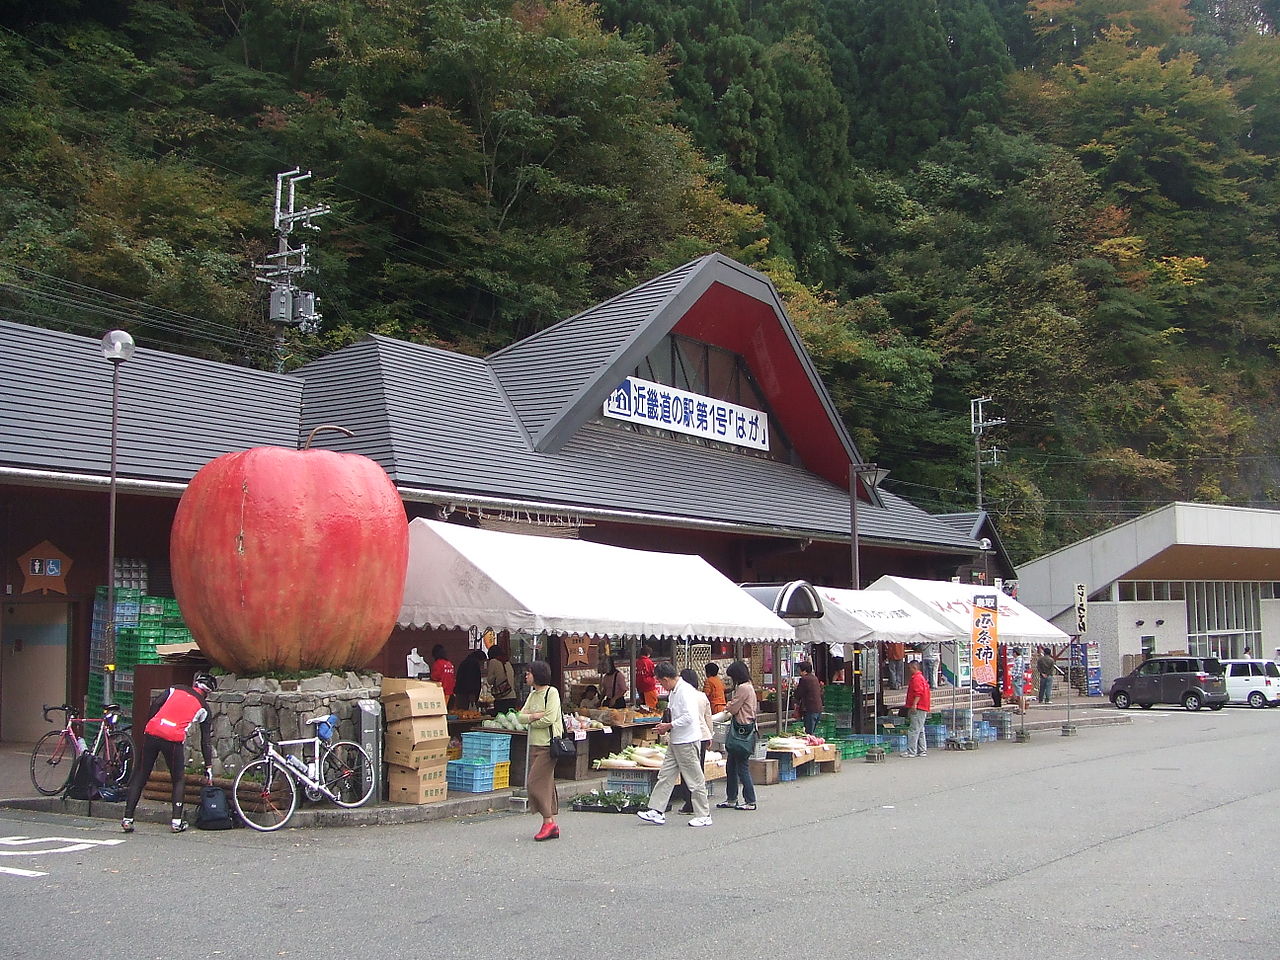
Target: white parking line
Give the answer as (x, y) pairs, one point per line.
(71, 845)
(14, 871)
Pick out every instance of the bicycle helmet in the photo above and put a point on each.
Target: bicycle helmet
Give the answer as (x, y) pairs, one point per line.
(205, 680)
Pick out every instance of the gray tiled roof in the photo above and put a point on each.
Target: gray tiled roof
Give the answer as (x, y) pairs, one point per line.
(176, 413)
(543, 374)
(560, 377)
(451, 430)
(436, 421)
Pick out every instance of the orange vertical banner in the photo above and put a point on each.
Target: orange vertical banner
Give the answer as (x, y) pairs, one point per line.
(985, 640)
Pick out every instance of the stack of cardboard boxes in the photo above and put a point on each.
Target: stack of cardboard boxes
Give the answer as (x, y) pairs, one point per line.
(416, 747)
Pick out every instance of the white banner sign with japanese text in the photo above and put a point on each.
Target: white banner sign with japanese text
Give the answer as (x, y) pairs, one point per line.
(655, 404)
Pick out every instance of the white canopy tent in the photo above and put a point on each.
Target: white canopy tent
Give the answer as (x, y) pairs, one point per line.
(463, 577)
(951, 604)
(864, 616)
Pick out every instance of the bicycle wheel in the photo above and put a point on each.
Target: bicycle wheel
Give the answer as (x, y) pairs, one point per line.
(52, 761)
(347, 771)
(265, 795)
(116, 754)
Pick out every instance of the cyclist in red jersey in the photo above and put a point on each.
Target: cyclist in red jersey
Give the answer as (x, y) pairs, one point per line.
(172, 713)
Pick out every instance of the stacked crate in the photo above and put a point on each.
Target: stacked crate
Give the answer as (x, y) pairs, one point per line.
(485, 763)
(128, 605)
(416, 743)
(638, 783)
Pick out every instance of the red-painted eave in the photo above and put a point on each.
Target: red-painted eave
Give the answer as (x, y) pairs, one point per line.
(752, 329)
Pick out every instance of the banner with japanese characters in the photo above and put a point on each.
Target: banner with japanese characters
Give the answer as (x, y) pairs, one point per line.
(986, 640)
(656, 404)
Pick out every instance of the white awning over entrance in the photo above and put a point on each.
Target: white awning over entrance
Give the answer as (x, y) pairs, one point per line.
(951, 604)
(870, 616)
(463, 577)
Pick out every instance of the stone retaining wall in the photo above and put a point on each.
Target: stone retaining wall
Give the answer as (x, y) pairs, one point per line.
(238, 705)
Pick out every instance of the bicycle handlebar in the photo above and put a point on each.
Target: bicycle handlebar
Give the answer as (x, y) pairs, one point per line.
(65, 708)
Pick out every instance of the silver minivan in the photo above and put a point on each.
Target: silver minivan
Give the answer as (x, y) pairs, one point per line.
(1255, 682)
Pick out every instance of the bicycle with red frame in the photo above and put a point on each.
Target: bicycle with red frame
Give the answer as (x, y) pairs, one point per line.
(53, 761)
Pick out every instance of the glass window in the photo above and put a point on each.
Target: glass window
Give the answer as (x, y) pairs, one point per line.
(1151, 668)
(1239, 669)
(1270, 669)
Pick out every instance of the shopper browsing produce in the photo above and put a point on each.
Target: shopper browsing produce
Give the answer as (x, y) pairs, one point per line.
(742, 708)
(683, 757)
(502, 680)
(542, 713)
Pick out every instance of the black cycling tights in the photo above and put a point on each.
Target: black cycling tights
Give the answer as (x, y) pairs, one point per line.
(174, 756)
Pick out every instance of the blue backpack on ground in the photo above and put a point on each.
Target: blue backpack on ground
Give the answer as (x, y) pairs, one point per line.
(214, 812)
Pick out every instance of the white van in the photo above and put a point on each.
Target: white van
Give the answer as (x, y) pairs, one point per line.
(1255, 682)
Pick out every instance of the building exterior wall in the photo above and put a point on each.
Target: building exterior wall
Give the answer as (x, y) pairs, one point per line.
(1270, 629)
(1114, 627)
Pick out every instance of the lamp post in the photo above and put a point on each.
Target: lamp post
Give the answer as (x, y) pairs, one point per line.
(117, 347)
(876, 476)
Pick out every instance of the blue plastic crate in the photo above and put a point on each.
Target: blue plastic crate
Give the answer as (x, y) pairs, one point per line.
(787, 774)
(494, 747)
(470, 775)
(786, 761)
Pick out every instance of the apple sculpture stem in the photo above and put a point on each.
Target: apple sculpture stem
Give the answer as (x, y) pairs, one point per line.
(287, 560)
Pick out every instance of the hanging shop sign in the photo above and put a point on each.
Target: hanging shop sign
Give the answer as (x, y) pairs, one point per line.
(986, 640)
(44, 569)
(657, 405)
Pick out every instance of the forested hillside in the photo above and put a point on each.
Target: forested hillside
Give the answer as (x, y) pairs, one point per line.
(1070, 206)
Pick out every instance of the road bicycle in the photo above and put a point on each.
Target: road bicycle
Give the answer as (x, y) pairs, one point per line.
(266, 790)
(53, 761)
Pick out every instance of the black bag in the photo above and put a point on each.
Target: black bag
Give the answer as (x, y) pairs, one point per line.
(562, 745)
(214, 813)
(87, 778)
(740, 738)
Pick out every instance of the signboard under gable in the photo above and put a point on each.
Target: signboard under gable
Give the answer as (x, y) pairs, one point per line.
(657, 405)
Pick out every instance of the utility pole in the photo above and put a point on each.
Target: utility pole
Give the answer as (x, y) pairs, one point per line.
(977, 424)
(289, 305)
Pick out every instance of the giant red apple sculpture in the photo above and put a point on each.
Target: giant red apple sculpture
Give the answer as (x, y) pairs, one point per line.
(288, 560)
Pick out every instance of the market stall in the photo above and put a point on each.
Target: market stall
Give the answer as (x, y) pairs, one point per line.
(950, 604)
(953, 605)
(463, 577)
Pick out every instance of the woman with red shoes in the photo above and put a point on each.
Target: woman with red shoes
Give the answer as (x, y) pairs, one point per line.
(542, 713)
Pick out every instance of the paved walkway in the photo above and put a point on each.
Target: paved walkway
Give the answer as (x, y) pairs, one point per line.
(17, 792)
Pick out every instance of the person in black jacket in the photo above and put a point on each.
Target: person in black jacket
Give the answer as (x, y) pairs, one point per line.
(808, 697)
(466, 691)
(172, 713)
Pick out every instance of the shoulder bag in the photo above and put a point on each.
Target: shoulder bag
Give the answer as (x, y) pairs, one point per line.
(740, 738)
(561, 745)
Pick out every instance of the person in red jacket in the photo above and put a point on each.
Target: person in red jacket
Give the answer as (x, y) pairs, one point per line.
(646, 680)
(442, 671)
(918, 703)
(172, 713)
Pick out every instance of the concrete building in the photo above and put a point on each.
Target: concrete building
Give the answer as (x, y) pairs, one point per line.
(1188, 577)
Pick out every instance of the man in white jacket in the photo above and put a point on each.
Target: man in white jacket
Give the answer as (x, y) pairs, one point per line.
(686, 729)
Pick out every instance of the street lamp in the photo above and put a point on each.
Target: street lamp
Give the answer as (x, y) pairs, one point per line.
(117, 347)
(875, 476)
